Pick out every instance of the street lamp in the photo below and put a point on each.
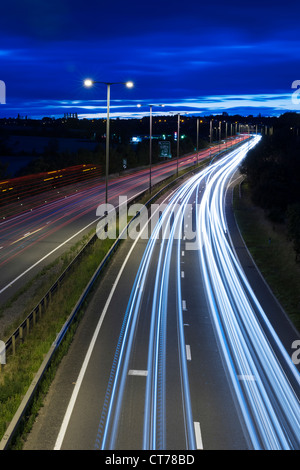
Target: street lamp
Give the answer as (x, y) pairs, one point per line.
(178, 138)
(89, 83)
(150, 141)
(210, 135)
(198, 127)
(197, 138)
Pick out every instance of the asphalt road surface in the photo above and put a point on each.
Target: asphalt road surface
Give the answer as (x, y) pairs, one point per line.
(175, 350)
(33, 239)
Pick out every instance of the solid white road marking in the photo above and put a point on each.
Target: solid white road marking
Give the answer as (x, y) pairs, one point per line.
(47, 255)
(184, 305)
(188, 352)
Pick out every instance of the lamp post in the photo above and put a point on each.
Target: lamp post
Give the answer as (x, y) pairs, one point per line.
(210, 135)
(197, 138)
(150, 142)
(89, 83)
(178, 137)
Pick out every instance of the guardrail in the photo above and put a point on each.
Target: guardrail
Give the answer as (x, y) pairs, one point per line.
(23, 329)
(27, 400)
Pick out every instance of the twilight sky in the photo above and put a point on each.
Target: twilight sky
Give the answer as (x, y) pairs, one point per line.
(193, 56)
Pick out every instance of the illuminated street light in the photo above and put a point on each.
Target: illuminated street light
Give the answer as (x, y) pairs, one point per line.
(198, 127)
(89, 83)
(150, 140)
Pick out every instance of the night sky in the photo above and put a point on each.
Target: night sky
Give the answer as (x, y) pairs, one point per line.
(194, 56)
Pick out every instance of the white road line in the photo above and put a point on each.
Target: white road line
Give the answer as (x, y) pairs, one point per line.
(188, 352)
(46, 256)
(198, 436)
(182, 274)
(184, 305)
(251, 378)
(73, 399)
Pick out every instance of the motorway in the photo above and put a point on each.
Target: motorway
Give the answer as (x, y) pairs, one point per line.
(31, 240)
(175, 350)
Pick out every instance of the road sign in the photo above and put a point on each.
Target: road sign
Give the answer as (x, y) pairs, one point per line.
(164, 149)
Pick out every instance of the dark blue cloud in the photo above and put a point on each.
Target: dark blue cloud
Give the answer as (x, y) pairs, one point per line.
(171, 50)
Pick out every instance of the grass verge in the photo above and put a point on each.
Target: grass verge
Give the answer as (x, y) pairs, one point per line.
(271, 250)
(18, 373)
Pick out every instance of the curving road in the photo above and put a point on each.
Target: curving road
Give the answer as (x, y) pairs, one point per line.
(33, 239)
(178, 353)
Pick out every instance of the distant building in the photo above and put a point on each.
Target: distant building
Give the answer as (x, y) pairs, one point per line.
(70, 116)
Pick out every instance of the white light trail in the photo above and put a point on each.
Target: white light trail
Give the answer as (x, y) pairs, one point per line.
(269, 404)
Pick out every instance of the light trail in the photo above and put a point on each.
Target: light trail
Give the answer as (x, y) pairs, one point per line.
(268, 403)
(264, 379)
(154, 420)
(171, 224)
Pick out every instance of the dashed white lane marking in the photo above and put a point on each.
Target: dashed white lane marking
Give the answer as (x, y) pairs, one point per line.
(142, 373)
(198, 436)
(251, 378)
(188, 352)
(184, 305)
